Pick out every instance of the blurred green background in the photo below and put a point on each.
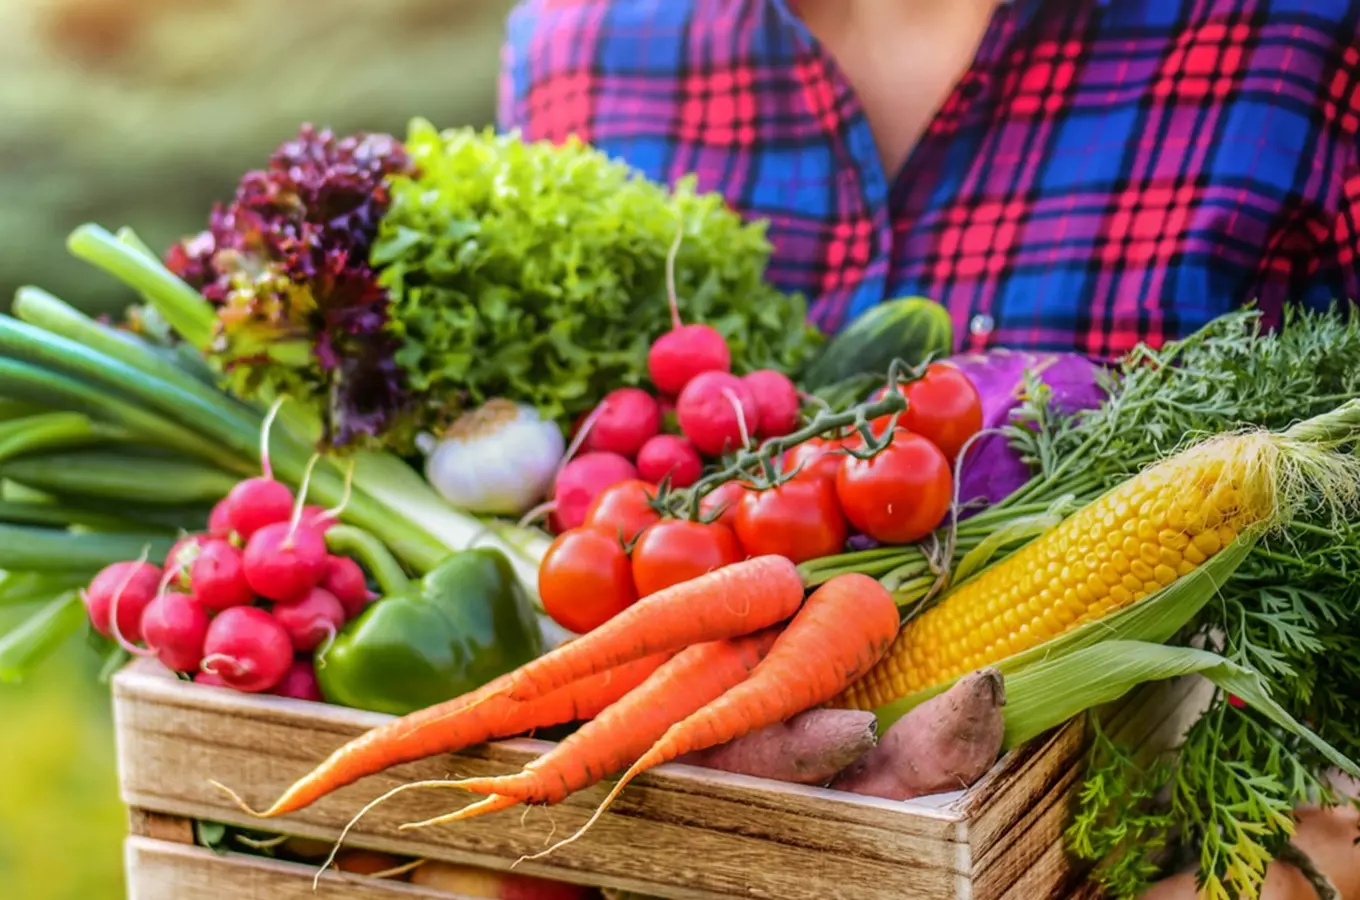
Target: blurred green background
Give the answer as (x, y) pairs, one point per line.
(144, 113)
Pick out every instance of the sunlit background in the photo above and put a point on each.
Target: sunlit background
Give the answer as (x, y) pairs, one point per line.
(144, 113)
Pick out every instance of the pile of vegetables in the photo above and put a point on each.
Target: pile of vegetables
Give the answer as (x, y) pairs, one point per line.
(870, 569)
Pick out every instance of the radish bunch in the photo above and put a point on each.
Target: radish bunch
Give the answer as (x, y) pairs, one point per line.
(627, 437)
(244, 605)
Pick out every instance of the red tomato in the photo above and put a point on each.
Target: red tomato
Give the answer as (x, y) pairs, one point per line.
(676, 550)
(943, 407)
(726, 495)
(899, 495)
(585, 579)
(623, 509)
(817, 457)
(799, 520)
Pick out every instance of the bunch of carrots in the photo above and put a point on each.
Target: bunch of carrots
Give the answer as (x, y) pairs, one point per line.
(690, 667)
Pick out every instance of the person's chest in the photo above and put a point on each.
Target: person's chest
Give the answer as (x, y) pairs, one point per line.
(1102, 173)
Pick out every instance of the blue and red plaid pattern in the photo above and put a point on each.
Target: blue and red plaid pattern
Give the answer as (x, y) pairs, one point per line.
(1107, 172)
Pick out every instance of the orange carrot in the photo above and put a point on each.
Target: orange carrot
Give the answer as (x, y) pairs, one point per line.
(841, 631)
(735, 600)
(476, 717)
(692, 678)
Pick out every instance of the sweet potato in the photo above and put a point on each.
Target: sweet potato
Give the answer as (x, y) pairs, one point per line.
(809, 748)
(945, 744)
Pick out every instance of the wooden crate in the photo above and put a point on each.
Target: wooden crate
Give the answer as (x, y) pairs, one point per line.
(679, 832)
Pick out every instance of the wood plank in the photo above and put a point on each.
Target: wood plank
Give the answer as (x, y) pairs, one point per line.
(160, 870)
(683, 833)
(175, 829)
(994, 815)
(1029, 856)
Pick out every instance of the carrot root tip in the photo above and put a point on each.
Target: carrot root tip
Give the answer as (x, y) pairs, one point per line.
(493, 803)
(240, 803)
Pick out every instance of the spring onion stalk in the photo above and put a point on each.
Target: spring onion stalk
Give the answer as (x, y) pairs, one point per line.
(22, 381)
(24, 549)
(180, 304)
(23, 588)
(55, 515)
(39, 635)
(157, 479)
(53, 431)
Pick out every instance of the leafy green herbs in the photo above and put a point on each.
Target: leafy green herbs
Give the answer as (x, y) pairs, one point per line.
(537, 273)
(1291, 612)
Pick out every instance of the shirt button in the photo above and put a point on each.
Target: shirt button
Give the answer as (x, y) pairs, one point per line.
(981, 325)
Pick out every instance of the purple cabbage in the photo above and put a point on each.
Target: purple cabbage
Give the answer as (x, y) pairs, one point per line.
(992, 469)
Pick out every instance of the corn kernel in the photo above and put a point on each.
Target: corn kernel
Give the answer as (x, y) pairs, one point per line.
(1193, 555)
(1131, 582)
(1119, 562)
(1207, 542)
(1141, 570)
(1121, 596)
(1164, 575)
(1185, 567)
(1172, 540)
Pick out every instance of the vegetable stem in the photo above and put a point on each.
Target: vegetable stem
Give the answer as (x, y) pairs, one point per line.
(357, 543)
(182, 306)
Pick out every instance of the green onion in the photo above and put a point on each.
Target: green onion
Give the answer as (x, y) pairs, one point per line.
(27, 549)
(38, 636)
(104, 474)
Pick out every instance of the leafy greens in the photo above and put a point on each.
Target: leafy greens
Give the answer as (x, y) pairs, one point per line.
(537, 272)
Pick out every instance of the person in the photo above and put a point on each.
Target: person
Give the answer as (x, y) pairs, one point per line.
(1075, 175)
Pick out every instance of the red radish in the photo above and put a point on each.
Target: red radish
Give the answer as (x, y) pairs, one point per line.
(180, 559)
(299, 682)
(778, 401)
(208, 678)
(247, 648)
(311, 620)
(625, 420)
(133, 585)
(282, 562)
(318, 518)
(685, 351)
(218, 577)
(581, 481)
(219, 520)
(712, 409)
(669, 454)
(174, 625)
(346, 581)
(257, 502)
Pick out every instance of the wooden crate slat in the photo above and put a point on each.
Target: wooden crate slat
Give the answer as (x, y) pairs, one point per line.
(1029, 847)
(160, 870)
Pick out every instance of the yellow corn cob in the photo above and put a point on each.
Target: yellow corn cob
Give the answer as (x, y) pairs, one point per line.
(1136, 539)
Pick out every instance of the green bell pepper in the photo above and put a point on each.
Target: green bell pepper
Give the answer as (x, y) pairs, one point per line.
(468, 621)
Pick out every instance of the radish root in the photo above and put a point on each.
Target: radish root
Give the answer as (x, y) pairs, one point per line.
(301, 499)
(335, 511)
(671, 296)
(113, 607)
(733, 399)
(266, 467)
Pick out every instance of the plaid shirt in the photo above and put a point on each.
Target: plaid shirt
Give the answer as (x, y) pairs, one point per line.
(1107, 172)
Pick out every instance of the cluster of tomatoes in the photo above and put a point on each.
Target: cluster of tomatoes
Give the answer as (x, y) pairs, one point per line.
(625, 549)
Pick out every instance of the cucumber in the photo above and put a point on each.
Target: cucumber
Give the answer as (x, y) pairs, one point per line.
(912, 329)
